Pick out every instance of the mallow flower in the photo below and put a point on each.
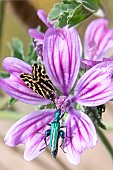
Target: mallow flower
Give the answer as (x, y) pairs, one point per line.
(62, 55)
(98, 41)
(38, 36)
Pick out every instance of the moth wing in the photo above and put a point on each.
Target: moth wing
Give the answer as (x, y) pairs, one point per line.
(27, 78)
(39, 82)
(34, 85)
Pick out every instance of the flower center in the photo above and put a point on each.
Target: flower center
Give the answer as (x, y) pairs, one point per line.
(61, 102)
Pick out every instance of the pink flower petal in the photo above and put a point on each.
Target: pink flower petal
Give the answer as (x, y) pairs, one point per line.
(34, 124)
(42, 15)
(34, 145)
(81, 135)
(13, 65)
(62, 50)
(37, 35)
(98, 39)
(15, 87)
(95, 87)
(34, 33)
(86, 64)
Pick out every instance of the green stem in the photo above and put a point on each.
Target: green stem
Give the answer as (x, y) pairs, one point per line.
(105, 141)
(1, 19)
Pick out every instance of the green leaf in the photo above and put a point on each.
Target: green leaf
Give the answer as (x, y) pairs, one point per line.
(95, 114)
(31, 55)
(63, 19)
(72, 12)
(71, 1)
(79, 14)
(17, 49)
(59, 8)
(4, 74)
(92, 5)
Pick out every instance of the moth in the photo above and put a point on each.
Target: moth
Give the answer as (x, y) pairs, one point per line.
(39, 81)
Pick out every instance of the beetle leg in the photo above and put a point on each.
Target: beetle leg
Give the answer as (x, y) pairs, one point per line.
(62, 135)
(66, 132)
(49, 124)
(46, 135)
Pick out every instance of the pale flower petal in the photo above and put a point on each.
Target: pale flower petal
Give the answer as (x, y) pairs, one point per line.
(14, 65)
(34, 124)
(62, 50)
(34, 146)
(42, 15)
(98, 39)
(81, 134)
(95, 87)
(37, 35)
(87, 64)
(15, 87)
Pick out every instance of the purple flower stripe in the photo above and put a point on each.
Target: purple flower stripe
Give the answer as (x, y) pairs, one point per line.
(30, 130)
(92, 87)
(30, 125)
(72, 156)
(33, 146)
(62, 57)
(82, 135)
(108, 59)
(105, 43)
(94, 28)
(98, 39)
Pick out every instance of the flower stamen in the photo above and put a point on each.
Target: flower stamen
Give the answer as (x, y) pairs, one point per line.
(61, 102)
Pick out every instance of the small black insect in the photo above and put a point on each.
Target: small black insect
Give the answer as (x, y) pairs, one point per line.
(101, 109)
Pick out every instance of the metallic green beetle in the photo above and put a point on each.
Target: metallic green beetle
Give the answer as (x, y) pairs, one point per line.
(55, 133)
